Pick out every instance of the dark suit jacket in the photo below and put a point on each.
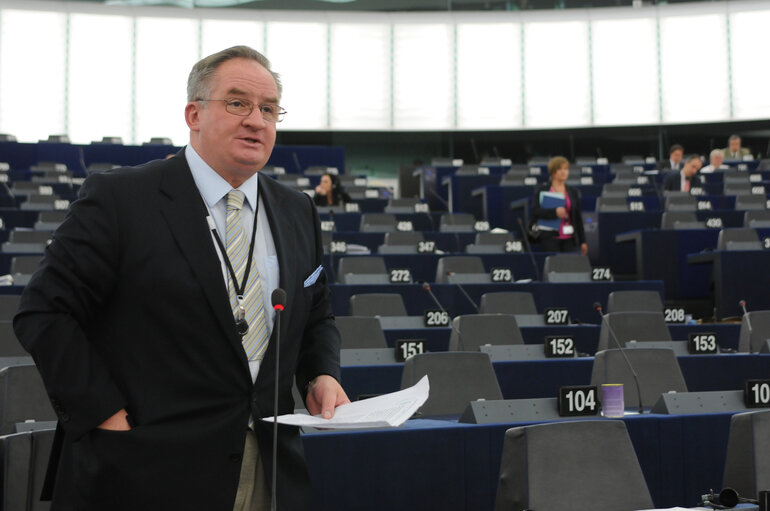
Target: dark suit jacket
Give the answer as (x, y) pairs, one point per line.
(576, 217)
(129, 309)
(673, 181)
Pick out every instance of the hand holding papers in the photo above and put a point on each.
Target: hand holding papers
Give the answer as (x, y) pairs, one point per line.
(387, 411)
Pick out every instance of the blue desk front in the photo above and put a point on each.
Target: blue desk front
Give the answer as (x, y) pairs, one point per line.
(442, 465)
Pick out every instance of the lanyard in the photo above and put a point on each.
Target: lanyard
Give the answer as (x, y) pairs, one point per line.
(239, 289)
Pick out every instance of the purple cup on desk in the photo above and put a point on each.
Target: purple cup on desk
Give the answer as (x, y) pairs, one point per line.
(612, 400)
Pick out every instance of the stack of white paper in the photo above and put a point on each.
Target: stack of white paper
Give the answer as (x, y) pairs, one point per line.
(389, 410)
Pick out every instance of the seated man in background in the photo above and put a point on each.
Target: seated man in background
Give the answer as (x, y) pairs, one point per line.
(686, 178)
(734, 151)
(674, 161)
(716, 162)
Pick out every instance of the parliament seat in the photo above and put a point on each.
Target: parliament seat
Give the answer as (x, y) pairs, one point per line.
(571, 466)
(680, 220)
(457, 222)
(362, 270)
(658, 371)
(22, 397)
(747, 467)
(639, 326)
(757, 219)
(24, 457)
(377, 222)
(738, 238)
(567, 268)
(508, 302)
(49, 220)
(750, 203)
(377, 304)
(456, 378)
(360, 332)
(634, 301)
(754, 339)
(490, 243)
(612, 205)
(9, 304)
(9, 344)
(681, 203)
(471, 331)
(451, 265)
(407, 205)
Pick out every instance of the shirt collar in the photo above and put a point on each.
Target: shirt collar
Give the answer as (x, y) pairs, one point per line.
(212, 186)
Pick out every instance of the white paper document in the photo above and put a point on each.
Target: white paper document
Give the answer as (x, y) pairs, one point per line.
(386, 411)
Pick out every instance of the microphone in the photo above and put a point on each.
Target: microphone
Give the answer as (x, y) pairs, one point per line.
(278, 298)
(331, 253)
(426, 287)
(742, 303)
(525, 238)
(598, 308)
(440, 198)
(465, 293)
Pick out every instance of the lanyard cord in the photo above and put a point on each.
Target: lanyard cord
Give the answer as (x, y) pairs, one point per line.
(239, 290)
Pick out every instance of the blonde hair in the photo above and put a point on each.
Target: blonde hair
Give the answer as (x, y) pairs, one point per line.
(556, 163)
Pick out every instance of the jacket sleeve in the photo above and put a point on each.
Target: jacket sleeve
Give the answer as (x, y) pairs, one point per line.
(320, 350)
(73, 281)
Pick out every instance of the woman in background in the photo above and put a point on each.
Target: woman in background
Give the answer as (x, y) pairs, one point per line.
(330, 192)
(569, 236)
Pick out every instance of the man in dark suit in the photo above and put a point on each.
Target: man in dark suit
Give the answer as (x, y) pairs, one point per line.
(685, 179)
(674, 161)
(158, 358)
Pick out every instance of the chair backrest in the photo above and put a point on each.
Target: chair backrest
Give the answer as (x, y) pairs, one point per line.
(411, 238)
(377, 222)
(377, 304)
(747, 468)
(737, 188)
(658, 371)
(22, 397)
(634, 301)
(681, 203)
(474, 330)
(406, 205)
(571, 466)
(456, 379)
(567, 268)
(26, 265)
(756, 219)
(493, 238)
(679, 219)
(25, 461)
(29, 236)
(9, 344)
(457, 264)
(511, 302)
(750, 203)
(456, 222)
(361, 265)
(615, 190)
(637, 326)
(9, 304)
(612, 204)
(750, 340)
(738, 238)
(360, 332)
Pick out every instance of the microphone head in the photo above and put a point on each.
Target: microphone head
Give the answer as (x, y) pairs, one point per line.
(742, 303)
(597, 307)
(278, 298)
(426, 286)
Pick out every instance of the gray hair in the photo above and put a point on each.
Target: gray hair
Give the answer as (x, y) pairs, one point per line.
(199, 80)
(715, 152)
(733, 137)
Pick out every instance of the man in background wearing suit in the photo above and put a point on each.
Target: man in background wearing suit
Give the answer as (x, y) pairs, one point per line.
(685, 179)
(150, 319)
(734, 151)
(674, 162)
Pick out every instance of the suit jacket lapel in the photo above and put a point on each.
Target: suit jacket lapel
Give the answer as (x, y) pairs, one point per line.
(185, 212)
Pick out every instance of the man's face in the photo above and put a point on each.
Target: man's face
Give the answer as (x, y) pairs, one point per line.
(676, 156)
(716, 160)
(234, 146)
(692, 167)
(735, 145)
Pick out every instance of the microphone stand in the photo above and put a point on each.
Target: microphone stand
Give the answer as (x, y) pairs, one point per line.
(278, 298)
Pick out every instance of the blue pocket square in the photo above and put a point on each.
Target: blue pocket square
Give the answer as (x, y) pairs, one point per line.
(313, 276)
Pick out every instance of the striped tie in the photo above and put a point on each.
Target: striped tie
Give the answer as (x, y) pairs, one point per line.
(255, 340)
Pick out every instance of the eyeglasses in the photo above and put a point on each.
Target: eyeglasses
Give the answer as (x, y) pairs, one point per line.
(244, 107)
